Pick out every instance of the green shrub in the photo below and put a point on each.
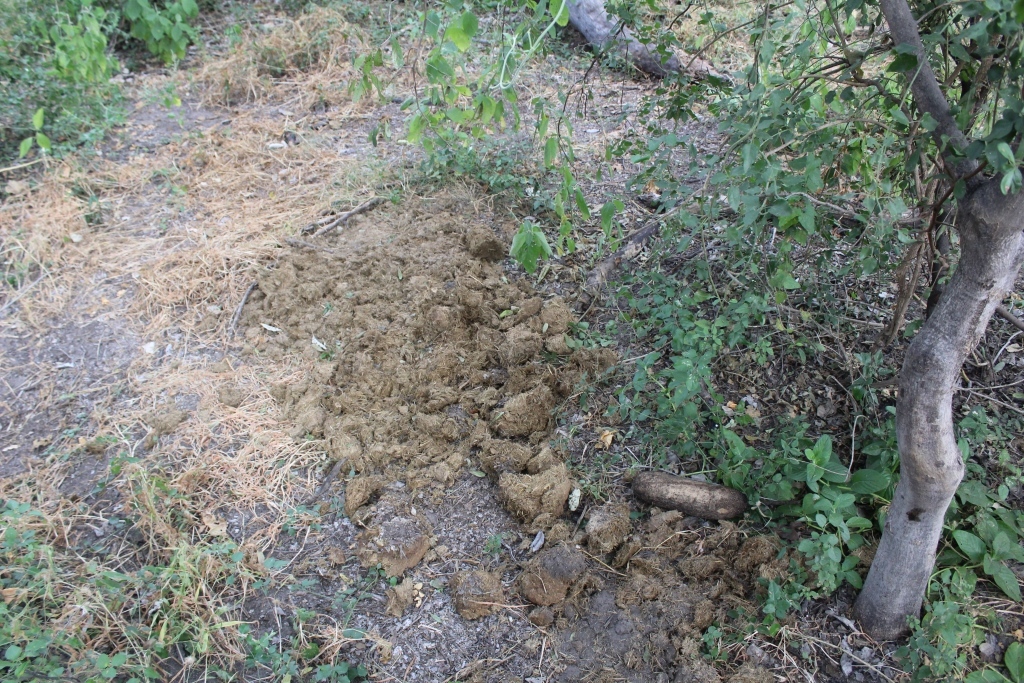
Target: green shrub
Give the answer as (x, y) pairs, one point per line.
(57, 57)
(167, 31)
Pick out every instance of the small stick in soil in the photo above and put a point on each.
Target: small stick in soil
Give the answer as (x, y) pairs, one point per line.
(238, 311)
(343, 218)
(1010, 317)
(326, 483)
(630, 248)
(307, 245)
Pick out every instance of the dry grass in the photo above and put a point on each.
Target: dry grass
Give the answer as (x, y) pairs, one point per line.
(311, 56)
(166, 252)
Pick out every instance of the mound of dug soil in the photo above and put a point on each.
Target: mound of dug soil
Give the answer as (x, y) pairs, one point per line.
(426, 358)
(425, 354)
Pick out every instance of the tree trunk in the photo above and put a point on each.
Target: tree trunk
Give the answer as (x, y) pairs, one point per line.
(991, 229)
(602, 31)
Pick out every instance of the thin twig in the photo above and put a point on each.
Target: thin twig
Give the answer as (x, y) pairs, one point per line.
(238, 311)
(326, 483)
(24, 165)
(1010, 317)
(308, 245)
(343, 218)
(606, 567)
(21, 292)
(993, 400)
(852, 656)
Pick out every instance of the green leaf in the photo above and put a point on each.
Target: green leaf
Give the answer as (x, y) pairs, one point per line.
(25, 146)
(560, 12)
(1002, 148)
(529, 245)
(458, 37)
(1007, 549)
(550, 151)
(986, 676)
(971, 546)
(1014, 661)
(416, 125)
(470, 24)
(37, 119)
(866, 482)
(1019, 10)
(903, 63)
(581, 204)
(397, 56)
(1008, 181)
(439, 70)
(432, 24)
(1002, 576)
(43, 141)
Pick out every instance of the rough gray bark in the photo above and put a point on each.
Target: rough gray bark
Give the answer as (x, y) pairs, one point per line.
(602, 31)
(991, 230)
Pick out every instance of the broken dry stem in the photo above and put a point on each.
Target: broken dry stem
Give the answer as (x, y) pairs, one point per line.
(344, 218)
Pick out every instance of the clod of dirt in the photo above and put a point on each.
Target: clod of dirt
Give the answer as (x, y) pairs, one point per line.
(398, 545)
(557, 345)
(96, 446)
(548, 576)
(521, 344)
(756, 551)
(698, 498)
(542, 617)
(342, 445)
(476, 594)
(162, 421)
(703, 614)
(696, 671)
(750, 673)
(630, 547)
(498, 457)
(529, 495)
(400, 597)
(336, 556)
(527, 413)
(483, 244)
(557, 316)
(231, 395)
(560, 532)
(544, 460)
(701, 566)
(301, 403)
(166, 420)
(359, 492)
(607, 527)
(220, 367)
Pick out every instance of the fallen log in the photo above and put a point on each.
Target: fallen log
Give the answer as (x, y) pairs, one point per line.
(604, 32)
(629, 250)
(696, 498)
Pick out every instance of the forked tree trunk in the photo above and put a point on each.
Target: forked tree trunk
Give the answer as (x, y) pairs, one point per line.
(991, 229)
(602, 31)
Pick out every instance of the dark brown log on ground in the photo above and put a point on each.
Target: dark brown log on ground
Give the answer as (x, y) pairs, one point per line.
(632, 246)
(602, 31)
(697, 498)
